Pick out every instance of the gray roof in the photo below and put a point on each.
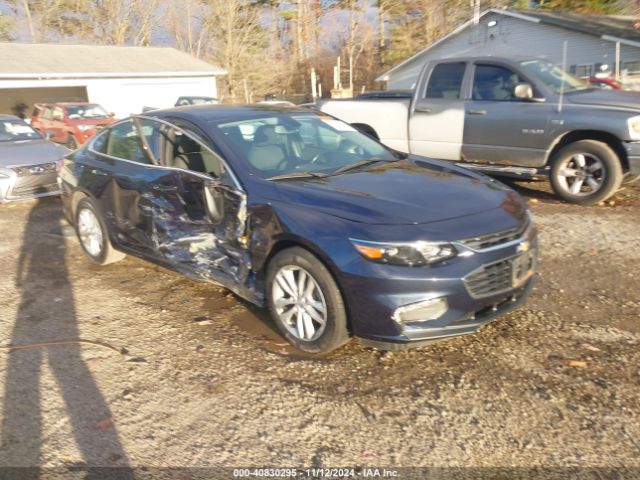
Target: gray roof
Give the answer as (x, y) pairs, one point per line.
(28, 60)
(607, 27)
(621, 27)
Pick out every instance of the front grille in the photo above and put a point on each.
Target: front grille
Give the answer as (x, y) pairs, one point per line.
(496, 238)
(34, 170)
(490, 279)
(28, 185)
(501, 276)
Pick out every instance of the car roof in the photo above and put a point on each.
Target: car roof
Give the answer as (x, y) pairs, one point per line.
(215, 113)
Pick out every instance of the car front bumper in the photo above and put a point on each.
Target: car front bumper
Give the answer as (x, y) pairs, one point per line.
(633, 157)
(14, 187)
(375, 293)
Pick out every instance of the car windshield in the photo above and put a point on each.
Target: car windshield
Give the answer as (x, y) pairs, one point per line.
(16, 131)
(554, 77)
(291, 144)
(76, 112)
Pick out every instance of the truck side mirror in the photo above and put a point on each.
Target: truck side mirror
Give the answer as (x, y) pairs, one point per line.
(523, 91)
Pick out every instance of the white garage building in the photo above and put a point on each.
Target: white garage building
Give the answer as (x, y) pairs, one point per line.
(122, 79)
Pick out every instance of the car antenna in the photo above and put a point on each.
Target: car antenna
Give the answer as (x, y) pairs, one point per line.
(564, 69)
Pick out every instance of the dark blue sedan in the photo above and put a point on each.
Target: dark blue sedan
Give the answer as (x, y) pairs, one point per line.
(336, 234)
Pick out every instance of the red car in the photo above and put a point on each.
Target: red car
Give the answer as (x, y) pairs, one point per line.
(605, 83)
(70, 123)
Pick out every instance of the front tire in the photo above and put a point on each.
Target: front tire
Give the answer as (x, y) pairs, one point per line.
(305, 302)
(586, 172)
(93, 235)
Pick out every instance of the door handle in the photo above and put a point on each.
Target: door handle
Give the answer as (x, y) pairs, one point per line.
(423, 109)
(477, 112)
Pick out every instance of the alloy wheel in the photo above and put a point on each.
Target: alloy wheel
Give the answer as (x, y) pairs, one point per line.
(581, 174)
(299, 303)
(90, 232)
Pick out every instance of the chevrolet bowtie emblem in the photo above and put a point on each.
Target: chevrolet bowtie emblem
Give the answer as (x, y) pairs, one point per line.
(524, 247)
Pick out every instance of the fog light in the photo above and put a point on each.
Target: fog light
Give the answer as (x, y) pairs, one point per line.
(421, 311)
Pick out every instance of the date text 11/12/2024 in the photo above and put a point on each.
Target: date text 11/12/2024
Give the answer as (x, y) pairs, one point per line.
(314, 473)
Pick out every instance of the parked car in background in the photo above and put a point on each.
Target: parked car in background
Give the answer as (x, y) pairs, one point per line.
(70, 123)
(27, 161)
(190, 100)
(605, 83)
(517, 117)
(299, 212)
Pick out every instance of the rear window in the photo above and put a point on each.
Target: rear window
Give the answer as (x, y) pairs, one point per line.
(446, 81)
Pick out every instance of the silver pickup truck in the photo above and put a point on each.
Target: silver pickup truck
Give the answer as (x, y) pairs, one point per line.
(517, 117)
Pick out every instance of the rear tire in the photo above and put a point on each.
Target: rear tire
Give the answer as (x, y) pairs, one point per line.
(586, 172)
(93, 234)
(305, 302)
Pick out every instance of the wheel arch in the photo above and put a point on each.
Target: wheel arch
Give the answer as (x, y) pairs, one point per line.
(599, 135)
(285, 243)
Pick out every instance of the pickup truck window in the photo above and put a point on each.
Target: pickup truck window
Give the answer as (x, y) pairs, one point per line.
(491, 82)
(554, 77)
(446, 80)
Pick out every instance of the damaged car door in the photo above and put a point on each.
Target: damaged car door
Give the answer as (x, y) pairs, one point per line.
(194, 207)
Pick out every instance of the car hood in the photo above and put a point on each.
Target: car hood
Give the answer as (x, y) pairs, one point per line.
(402, 193)
(30, 152)
(609, 98)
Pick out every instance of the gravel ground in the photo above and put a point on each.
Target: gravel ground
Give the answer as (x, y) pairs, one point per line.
(185, 374)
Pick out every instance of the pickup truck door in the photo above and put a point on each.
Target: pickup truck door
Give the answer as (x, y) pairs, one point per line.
(502, 129)
(437, 121)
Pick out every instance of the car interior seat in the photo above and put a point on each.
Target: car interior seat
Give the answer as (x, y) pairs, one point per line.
(266, 152)
(189, 155)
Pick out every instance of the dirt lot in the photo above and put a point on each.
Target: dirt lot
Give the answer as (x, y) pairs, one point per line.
(185, 374)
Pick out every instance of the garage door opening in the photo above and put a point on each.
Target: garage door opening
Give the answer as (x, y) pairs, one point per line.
(15, 101)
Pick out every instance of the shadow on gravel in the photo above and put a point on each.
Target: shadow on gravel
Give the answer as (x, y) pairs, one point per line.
(42, 267)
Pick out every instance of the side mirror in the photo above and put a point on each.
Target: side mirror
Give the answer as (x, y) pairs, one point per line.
(524, 91)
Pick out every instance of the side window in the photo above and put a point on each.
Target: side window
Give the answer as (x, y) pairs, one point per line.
(99, 142)
(446, 81)
(173, 148)
(124, 142)
(47, 113)
(58, 113)
(491, 82)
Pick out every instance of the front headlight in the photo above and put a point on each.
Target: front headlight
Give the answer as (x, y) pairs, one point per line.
(84, 128)
(413, 254)
(634, 128)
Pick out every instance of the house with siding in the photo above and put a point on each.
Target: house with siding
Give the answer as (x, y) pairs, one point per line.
(122, 79)
(594, 43)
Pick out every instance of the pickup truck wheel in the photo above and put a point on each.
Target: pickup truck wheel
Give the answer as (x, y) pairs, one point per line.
(586, 172)
(93, 235)
(305, 302)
